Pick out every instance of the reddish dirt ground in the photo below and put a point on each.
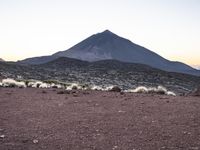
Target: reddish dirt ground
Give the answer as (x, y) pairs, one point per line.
(42, 119)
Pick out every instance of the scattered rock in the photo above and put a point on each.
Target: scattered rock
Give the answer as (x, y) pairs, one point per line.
(2, 136)
(185, 132)
(121, 93)
(195, 92)
(121, 111)
(115, 147)
(35, 141)
(115, 89)
(73, 92)
(44, 92)
(75, 95)
(163, 97)
(163, 147)
(60, 92)
(25, 141)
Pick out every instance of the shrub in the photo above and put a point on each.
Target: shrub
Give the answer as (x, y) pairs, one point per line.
(158, 90)
(12, 83)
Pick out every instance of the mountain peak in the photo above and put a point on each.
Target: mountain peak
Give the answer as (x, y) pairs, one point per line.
(107, 45)
(107, 31)
(106, 36)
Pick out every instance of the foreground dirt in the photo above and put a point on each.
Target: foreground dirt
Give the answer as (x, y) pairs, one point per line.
(37, 119)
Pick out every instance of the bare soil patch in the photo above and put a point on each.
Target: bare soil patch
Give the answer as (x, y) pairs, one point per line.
(41, 119)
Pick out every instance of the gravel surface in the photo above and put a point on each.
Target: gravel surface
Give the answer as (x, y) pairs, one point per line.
(49, 119)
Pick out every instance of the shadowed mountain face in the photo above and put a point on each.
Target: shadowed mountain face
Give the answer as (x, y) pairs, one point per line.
(107, 45)
(38, 60)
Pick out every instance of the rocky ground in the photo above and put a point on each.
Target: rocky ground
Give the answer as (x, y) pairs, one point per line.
(102, 73)
(38, 119)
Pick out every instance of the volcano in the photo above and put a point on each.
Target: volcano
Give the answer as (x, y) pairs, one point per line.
(109, 46)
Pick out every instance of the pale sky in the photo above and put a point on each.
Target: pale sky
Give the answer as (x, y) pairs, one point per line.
(31, 28)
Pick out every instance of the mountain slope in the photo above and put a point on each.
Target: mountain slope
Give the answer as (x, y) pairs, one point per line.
(63, 63)
(1, 59)
(123, 74)
(102, 73)
(38, 60)
(107, 45)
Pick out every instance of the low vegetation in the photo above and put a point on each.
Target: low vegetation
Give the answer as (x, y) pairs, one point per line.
(158, 90)
(76, 86)
(13, 83)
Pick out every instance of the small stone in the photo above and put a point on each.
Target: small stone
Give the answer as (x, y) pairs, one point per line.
(75, 95)
(73, 92)
(121, 111)
(115, 147)
(184, 132)
(35, 141)
(163, 147)
(2, 136)
(115, 89)
(24, 141)
(122, 93)
(60, 92)
(44, 92)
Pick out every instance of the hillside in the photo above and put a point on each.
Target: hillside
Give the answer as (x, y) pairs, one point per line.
(103, 73)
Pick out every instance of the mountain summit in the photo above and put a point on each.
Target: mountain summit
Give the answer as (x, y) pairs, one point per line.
(100, 46)
(107, 45)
